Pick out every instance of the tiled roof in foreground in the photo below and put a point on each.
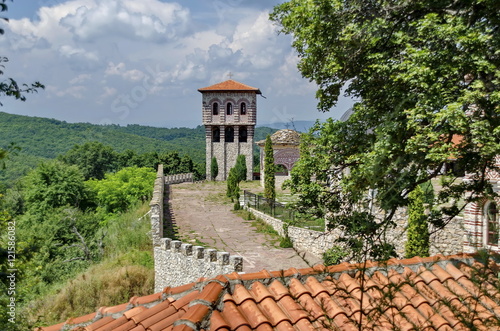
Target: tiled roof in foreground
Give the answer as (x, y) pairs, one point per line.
(438, 293)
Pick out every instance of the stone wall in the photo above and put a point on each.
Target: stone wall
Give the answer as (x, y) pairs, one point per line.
(179, 178)
(446, 241)
(156, 207)
(178, 263)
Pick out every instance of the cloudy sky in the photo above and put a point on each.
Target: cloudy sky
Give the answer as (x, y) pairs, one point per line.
(142, 61)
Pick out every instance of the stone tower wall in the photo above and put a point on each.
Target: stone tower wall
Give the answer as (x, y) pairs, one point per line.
(227, 152)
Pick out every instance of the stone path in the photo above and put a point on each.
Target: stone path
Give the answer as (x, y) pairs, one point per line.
(201, 216)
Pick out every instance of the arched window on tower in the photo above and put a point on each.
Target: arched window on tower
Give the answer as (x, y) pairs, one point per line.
(243, 134)
(491, 218)
(229, 108)
(229, 134)
(216, 135)
(243, 108)
(215, 109)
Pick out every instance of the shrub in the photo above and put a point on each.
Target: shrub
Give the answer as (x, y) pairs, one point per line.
(334, 255)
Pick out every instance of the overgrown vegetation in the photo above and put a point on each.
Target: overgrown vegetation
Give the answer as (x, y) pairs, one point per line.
(425, 75)
(63, 226)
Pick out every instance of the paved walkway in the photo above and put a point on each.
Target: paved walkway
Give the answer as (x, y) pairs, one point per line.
(202, 218)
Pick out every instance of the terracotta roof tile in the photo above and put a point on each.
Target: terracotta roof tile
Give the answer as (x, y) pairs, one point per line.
(436, 293)
(166, 322)
(229, 85)
(146, 313)
(145, 299)
(100, 323)
(195, 314)
(241, 294)
(217, 322)
(162, 315)
(112, 325)
(259, 291)
(233, 316)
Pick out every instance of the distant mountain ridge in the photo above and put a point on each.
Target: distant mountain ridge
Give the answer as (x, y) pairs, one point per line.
(42, 138)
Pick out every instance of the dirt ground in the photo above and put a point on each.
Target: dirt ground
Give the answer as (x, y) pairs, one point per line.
(202, 215)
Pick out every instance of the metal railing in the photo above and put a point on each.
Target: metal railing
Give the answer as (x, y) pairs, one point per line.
(281, 211)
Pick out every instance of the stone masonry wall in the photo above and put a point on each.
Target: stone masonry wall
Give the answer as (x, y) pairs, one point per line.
(446, 241)
(178, 263)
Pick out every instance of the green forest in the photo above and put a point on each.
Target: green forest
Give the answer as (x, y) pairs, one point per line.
(38, 139)
(73, 196)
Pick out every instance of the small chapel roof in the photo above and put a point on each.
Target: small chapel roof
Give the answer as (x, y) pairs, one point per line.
(229, 85)
(283, 137)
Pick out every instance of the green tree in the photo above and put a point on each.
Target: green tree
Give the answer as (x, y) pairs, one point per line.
(417, 243)
(214, 168)
(241, 168)
(233, 188)
(93, 158)
(425, 75)
(117, 192)
(269, 180)
(53, 184)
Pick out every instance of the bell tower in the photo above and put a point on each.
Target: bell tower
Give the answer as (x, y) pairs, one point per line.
(229, 113)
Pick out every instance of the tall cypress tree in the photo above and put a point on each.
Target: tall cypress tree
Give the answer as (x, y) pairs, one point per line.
(214, 169)
(241, 168)
(269, 180)
(417, 243)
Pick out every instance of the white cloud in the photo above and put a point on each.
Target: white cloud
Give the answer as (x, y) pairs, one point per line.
(119, 69)
(140, 57)
(80, 79)
(73, 91)
(145, 20)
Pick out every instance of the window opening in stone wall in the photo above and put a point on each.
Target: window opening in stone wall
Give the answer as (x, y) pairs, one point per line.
(215, 109)
(216, 135)
(243, 134)
(229, 108)
(491, 215)
(243, 108)
(229, 135)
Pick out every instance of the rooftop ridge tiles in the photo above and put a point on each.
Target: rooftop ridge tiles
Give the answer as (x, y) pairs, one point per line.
(196, 315)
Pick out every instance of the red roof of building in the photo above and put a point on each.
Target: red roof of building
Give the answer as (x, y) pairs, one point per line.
(229, 85)
(437, 293)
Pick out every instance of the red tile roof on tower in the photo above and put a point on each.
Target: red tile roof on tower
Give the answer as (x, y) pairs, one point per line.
(438, 293)
(229, 85)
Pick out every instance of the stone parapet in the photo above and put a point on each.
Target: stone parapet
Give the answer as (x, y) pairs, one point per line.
(179, 178)
(178, 263)
(156, 205)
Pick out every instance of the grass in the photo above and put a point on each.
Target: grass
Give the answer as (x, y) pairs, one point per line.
(126, 270)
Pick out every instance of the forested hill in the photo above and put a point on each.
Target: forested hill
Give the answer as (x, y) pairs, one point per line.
(48, 138)
(43, 138)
